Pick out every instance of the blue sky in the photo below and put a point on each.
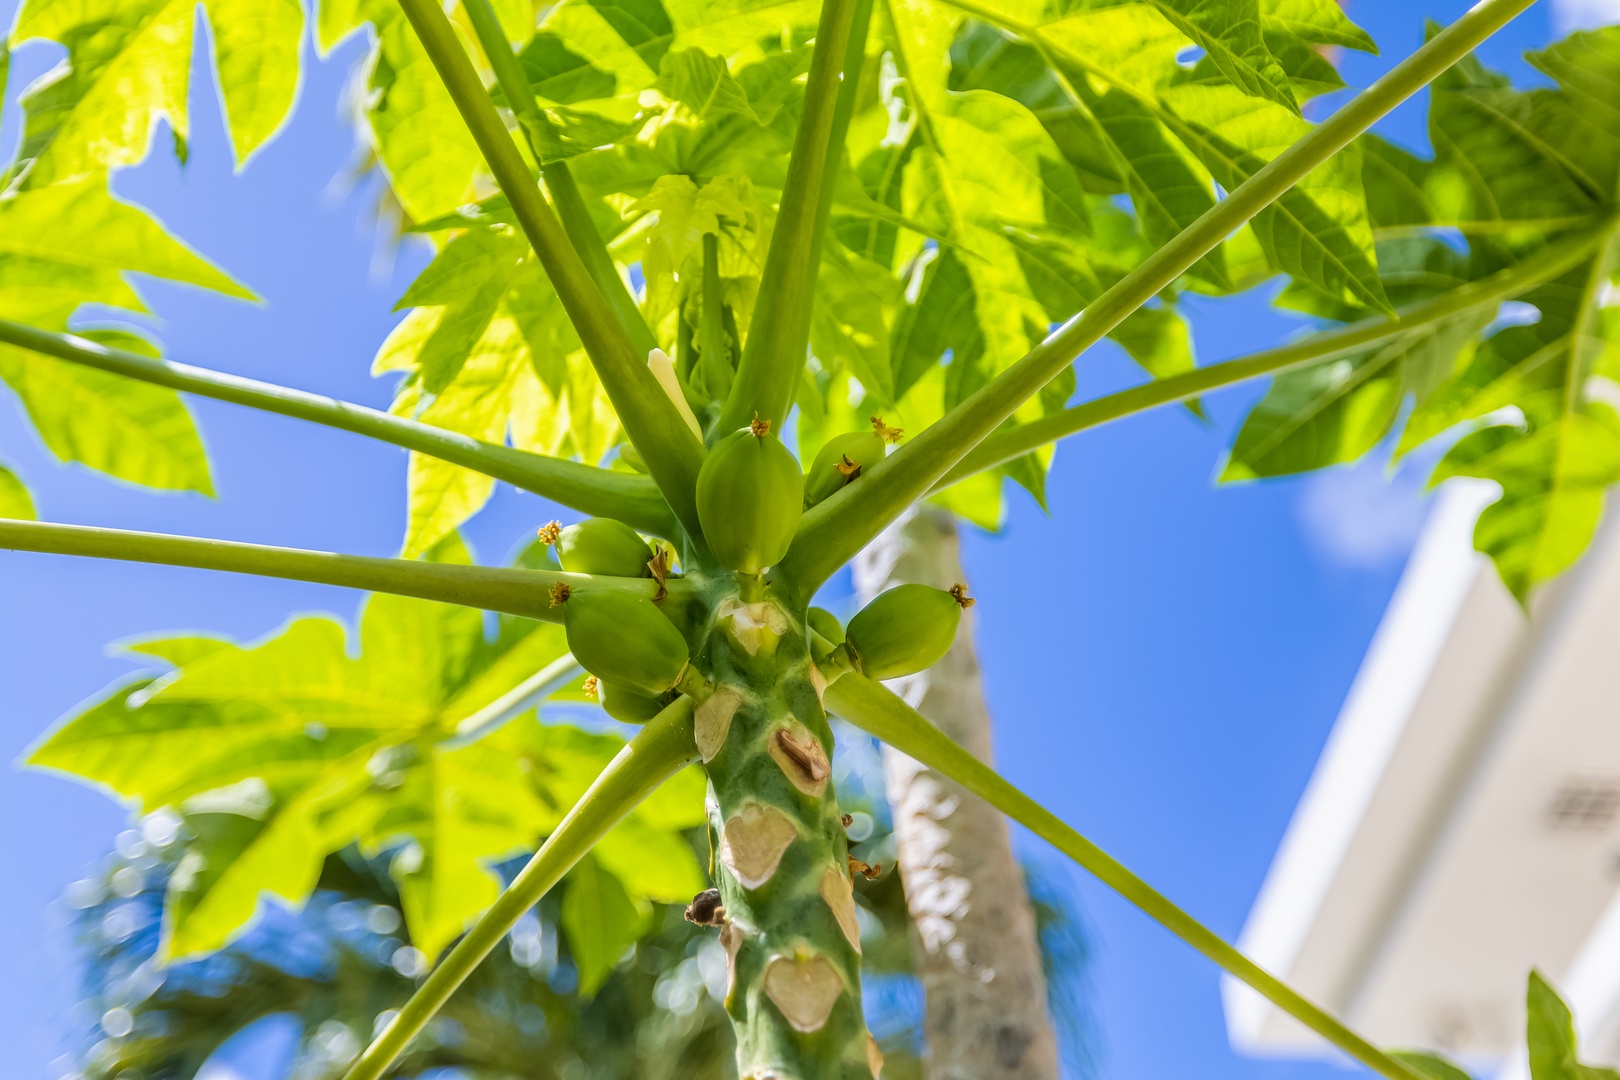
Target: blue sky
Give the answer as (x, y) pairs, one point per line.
(1164, 658)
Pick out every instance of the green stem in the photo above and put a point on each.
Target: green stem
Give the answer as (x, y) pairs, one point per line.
(840, 526)
(715, 358)
(1009, 443)
(601, 492)
(658, 752)
(778, 340)
(876, 710)
(515, 702)
(571, 207)
(673, 454)
(493, 588)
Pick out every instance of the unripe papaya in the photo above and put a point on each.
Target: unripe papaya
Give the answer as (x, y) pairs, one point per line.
(626, 705)
(623, 638)
(750, 495)
(603, 546)
(827, 625)
(844, 458)
(904, 630)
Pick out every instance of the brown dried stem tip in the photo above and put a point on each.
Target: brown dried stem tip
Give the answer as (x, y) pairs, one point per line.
(560, 592)
(847, 820)
(591, 686)
(959, 594)
(885, 432)
(760, 428)
(658, 567)
(549, 532)
(706, 909)
(869, 871)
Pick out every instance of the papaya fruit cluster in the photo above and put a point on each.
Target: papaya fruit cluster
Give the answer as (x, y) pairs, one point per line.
(750, 497)
(635, 654)
(902, 631)
(750, 492)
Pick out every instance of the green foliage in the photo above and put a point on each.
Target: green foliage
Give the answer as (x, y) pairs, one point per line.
(1006, 166)
(279, 752)
(129, 430)
(15, 501)
(333, 969)
(72, 244)
(1550, 1037)
(343, 960)
(128, 66)
(1514, 171)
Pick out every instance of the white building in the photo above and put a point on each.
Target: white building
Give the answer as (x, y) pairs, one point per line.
(1460, 826)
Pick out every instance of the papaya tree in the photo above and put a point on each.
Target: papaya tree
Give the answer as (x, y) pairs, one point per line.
(862, 225)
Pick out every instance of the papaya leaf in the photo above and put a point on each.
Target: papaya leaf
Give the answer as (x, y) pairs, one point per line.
(704, 85)
(1550, 1037)
(419, 138)
(15, 501)
(72, 244)
(129, 430)
(280, 752)
(1335, 412)
(467, 282)
(601, 920)
(128, 66)
(488, 354)
(1553, 481)
(1320, 231)
(80, 226)
(1516, 172)
(461, 811)
(248, 839)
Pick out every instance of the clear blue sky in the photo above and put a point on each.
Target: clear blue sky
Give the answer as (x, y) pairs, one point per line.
(1164, 658)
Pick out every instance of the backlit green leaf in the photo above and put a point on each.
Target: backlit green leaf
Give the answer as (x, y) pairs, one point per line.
(601, 921)
(15, 502)
(1550, 1037)
(128, 67)
(130, 430)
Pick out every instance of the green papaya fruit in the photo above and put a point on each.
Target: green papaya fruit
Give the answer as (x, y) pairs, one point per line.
(904, 630)
(623, 638)
(626, 705)
(840, 461)
(603, 546)
(827, 625)
(750, 495)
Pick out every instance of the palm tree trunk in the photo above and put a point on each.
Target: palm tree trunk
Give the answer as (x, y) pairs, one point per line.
(973, 930)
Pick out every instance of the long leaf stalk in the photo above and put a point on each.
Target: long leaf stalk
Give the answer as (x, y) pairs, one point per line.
(778, 339)
(559, 178)
(714, 359)
(673, 454)
(878, 711)
(526, 695)
(591, 490)
(658, 752)
(1009, 443)
(492, 588)
(839, 527)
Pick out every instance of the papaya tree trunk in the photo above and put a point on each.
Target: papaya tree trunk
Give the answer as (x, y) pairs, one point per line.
(973, 929)
(780, 856)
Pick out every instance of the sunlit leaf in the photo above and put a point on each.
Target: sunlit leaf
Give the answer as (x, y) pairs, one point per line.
(128, 67)
(15, 502)
(601, 921)
(1550, 1037)
(130, 430)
